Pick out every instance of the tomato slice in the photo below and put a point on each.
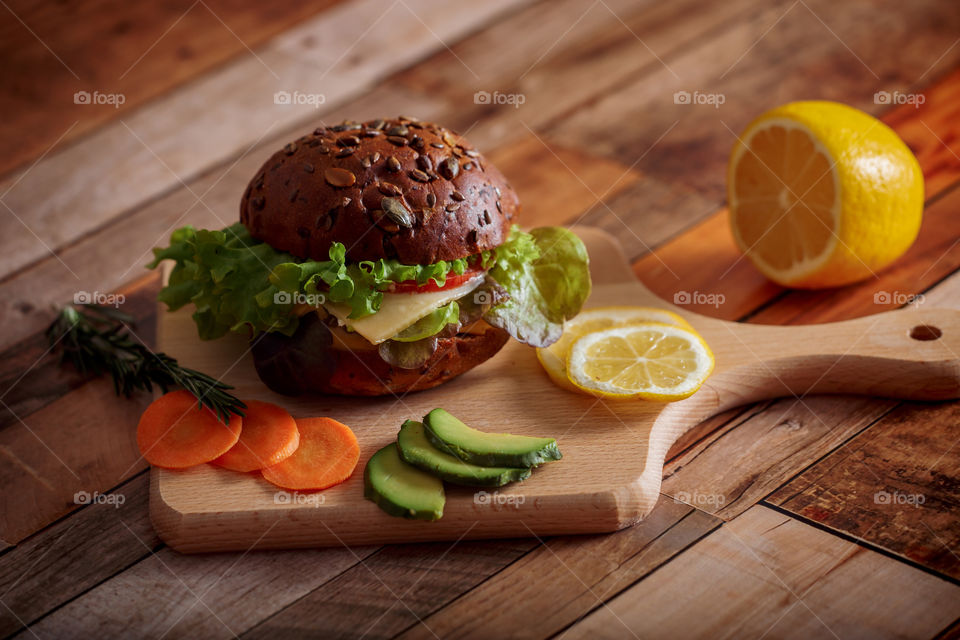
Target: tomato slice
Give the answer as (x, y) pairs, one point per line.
(453, 281)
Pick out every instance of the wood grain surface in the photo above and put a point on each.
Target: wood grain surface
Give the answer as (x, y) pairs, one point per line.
(794, 581)
(86, 191)
(140, 51)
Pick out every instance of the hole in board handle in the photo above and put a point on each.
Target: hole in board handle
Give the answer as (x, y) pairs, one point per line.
(925, 332)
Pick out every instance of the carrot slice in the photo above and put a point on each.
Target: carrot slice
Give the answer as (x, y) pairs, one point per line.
(269, 436)
(327, 455)
(175, 434)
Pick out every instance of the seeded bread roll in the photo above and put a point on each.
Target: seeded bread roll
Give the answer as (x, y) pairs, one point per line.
(364, 373)
(397, 188)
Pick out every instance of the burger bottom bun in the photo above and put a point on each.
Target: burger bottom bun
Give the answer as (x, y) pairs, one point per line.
(365, 373)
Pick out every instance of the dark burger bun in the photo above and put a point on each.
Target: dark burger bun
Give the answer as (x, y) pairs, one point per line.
(364, 373)
(289, 371)
(396, 188)
(389, 188)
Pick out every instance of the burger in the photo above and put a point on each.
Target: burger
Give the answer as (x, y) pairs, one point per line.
(374, 258)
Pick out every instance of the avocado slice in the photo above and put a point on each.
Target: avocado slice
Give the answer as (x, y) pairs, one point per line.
(450, 435)
(402, 490)
(416, 449)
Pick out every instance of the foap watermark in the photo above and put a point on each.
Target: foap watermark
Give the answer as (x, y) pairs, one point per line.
(699, 298)
(86, 97)
(697, 499)
(898, 298)
(513, 99)
(896, 97)
(306, 499)
(97, 297)
(297, 97)
(298, 297)
(897, 498)
(699, 98)
(482, 298)
(85, 497)
(499, 499)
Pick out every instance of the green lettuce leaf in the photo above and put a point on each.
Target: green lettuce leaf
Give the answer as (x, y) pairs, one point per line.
(536, 280)
(241, 284)
(542, 278)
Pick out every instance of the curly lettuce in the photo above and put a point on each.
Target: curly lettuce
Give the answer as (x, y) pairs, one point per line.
(540, 279)
(241, 284)
(535, 281)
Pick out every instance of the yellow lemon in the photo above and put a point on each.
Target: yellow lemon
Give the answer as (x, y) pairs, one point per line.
(554, 357)
(822, 194)
(650, 361)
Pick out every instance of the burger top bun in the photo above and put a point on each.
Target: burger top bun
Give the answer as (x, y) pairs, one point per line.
(397, 188)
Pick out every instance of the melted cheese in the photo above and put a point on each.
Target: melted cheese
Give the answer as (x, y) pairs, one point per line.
(398, 311)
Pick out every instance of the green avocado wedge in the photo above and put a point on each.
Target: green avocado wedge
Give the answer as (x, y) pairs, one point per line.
(400, 489)
(450, 435)
(417, 450)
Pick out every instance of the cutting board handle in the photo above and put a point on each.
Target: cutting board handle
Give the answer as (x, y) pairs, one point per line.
(909, 353)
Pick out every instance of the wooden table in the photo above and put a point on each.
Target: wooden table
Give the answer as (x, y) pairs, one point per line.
(802, 517)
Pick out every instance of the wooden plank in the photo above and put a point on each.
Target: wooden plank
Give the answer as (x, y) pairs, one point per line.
(929, 130)
(843, 61)
(210, 596)
(718, 282)
(556, 184)
(648, 213)
(83, 441)
(595, 49)
(950, 633)
(392, 589)
(767, 574)
(895, 486)
(150, 48)
(109, 534)
(179, 135)
(565, 578)
(736, 466)
(709, 426)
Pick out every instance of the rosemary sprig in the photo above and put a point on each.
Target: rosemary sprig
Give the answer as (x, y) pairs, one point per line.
(94, 340)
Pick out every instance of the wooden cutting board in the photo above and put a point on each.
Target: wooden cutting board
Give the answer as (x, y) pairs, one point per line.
(613, 451)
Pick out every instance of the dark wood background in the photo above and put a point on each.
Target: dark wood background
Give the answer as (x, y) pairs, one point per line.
(770, 524)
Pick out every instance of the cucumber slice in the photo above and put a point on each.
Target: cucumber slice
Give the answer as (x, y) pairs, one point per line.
(400, 489)
(416, 449)
(450, 435)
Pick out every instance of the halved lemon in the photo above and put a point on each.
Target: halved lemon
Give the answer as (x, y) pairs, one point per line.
(650, 361)
(822, 194)
(554, 357)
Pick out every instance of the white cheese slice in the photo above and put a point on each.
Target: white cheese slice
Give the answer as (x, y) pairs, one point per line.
(398, 311)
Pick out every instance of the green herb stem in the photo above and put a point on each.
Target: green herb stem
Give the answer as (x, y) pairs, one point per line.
(95, 340)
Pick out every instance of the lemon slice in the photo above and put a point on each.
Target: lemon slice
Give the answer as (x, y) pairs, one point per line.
(554, 357)
(822, 194)
(650, 361)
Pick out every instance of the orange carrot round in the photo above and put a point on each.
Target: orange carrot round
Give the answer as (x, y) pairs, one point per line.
(175, 433)
(327, 455)
(269, 436)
